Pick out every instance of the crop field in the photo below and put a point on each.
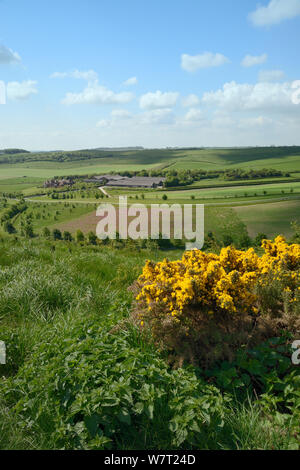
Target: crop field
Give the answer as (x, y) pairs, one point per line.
(271, 219)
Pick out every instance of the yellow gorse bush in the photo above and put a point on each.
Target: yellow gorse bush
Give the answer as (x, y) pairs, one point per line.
(216, 283)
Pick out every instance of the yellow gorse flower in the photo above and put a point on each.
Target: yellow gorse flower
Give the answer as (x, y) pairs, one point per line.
(217, 282)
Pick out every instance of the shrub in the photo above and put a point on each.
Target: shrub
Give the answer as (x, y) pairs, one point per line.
(205, 306)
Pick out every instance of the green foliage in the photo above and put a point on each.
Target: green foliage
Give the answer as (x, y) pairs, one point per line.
(79, 236)
(57, 235)
(97, 389)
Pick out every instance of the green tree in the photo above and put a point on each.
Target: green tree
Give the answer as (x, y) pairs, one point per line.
(92, 238)
(79, 236)
(57, 234)
(9, 228)
(29, 231)
(46, 232)
(67, 236)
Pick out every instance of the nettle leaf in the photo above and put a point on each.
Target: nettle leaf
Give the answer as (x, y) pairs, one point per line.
(150, 410)
(124, 417)
(92, 423)
(139, 408)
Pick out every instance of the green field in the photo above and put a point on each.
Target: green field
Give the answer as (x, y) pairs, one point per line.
(255, 200)
(271, 219)
(49, 164)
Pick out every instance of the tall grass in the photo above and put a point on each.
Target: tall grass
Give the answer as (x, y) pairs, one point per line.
(78, 376)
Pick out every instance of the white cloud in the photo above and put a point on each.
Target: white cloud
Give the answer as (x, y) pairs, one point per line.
(194, 115)
(131, 81)
(21, 90)
(190, 101)
(247, 97)
(271, 75)
(258, 122)
(121, 118)
(104, 123)
(88, 75)
(120, 114)
(192, 63)
(97, 94)
(158, 100)
(251, 60)
(157, 116)
(7, 56)
(275, 12)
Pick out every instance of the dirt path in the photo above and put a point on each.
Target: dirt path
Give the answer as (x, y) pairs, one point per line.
(104, 192)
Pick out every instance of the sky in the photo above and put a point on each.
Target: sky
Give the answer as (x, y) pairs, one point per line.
(172, 73)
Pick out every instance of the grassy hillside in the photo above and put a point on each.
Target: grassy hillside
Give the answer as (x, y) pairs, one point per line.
(48, 164)
(79, 377)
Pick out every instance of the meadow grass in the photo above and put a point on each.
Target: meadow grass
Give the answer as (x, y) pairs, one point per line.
(62, 313)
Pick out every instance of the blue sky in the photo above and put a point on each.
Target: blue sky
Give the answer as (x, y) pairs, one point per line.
(82, 74)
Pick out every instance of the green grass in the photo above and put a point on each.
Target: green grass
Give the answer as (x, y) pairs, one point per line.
(270, 219)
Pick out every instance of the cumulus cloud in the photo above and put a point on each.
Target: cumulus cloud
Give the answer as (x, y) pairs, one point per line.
(121, 118)
(157, 116)
(206, 60)
(97, 94)
(275, 12)
(21, 90)
(131, 81)
(258, 122)
(271, 75)
(104, 123)
(120, 114)
(194, 115)
(8, 56)
(88, 75)
(251, 60)
(158, 100)
(247, 97)
(190, 101)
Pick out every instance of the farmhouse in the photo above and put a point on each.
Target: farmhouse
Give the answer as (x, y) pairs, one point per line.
(138, 182)
(126, 182)
(104, 179)
(54, 183)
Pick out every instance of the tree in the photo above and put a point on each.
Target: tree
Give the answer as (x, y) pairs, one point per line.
(57, 234)
(46, 232)
(9, 228)
(259, 238)
(79, 236)
(165, 197)
(92, 237)
(29, 231)
(67, 236)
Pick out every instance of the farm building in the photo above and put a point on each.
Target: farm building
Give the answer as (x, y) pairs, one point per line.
(126, 182)
(104, 179)
(138, 182)
(54, 183)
